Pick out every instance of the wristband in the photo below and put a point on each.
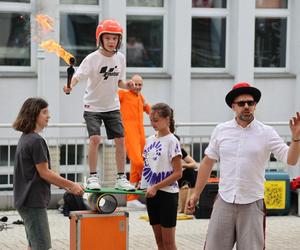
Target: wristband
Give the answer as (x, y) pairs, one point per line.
(295, 140)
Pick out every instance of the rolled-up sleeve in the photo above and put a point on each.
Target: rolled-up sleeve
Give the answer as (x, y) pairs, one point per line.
(277, 146)
(212, 151)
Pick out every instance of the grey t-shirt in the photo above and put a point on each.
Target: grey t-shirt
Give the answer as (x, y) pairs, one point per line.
(30, 190)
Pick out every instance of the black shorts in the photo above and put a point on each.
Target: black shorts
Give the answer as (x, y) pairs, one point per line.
(162, 209)
(112, 122)
(189, 177)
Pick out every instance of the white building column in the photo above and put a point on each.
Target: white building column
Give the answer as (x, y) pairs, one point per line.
(179, 57)
(295, 49)
(294, 65)
(48, 63)
(241, 40)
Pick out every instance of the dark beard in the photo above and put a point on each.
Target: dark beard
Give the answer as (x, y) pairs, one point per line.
(246, 118)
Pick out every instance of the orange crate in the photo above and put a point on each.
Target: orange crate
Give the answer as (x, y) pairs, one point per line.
(93, 231)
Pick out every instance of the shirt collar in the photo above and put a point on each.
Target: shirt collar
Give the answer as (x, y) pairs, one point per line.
(250, 125)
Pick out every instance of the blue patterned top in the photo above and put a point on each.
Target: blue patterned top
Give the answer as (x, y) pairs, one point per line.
(158, 154)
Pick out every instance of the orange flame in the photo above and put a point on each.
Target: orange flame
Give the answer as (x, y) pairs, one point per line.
(45, 22)
(52, 46)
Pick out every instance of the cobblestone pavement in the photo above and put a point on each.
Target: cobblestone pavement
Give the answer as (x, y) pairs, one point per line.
(283, 232)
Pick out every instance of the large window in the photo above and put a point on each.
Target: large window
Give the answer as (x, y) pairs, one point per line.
(15, 39)
(145, 3)
(271, 4)
(92, 2)
(208, 42)
(7, 155)
(270, 42)
(145, 34)
(77, 28)
(71, 154)
(209, 34)
(16, 1)
(209, 3)
(271, 34)
(144, 41)
(77, 34)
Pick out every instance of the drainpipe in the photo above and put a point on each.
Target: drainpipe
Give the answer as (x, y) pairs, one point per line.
(40, 71)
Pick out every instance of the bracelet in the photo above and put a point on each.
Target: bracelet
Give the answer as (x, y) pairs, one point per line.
(295, 140)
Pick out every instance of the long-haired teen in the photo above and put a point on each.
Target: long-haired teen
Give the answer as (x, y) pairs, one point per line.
(162, 169)
(33, 174)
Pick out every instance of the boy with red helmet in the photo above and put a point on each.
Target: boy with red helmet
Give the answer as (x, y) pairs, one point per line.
(104, 70)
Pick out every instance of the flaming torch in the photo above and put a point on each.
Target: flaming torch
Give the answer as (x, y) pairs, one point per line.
(52, 46)
(70, 72)
(45, 24)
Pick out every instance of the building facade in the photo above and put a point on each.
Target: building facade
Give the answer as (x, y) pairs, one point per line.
(189, 53)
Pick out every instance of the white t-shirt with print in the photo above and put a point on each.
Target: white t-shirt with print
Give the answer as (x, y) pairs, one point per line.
(158, 154)
(102, 74)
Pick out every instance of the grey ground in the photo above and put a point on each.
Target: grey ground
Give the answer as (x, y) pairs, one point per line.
(283, 232)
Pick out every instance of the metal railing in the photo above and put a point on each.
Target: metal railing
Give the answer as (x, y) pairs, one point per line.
(68, 149)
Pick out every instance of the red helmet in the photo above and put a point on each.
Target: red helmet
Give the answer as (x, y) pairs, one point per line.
(111, 27)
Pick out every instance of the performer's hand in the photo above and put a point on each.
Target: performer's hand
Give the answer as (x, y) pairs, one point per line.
(76, 189)
(295, 126)
(192, 203)
(67, 89)
(151, 192)
(130, 85)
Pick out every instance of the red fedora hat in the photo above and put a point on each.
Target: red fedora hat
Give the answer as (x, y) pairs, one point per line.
(242, 88)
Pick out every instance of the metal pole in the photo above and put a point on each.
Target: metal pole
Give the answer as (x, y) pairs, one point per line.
(41, 71)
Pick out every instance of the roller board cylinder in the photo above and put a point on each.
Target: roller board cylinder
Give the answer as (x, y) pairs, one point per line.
(103, 203)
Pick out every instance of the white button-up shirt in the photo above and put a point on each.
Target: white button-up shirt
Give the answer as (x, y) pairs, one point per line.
(243, 154)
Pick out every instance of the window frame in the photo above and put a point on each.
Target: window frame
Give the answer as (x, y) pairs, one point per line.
(78, 9)
(276, 13)
(150, 11)
(213, 12)
(15, 7)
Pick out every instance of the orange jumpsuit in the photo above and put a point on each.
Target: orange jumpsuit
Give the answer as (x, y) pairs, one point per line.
(132, 111)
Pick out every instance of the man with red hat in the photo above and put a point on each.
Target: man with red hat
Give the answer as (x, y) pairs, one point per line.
(104, 70)
(242, 147)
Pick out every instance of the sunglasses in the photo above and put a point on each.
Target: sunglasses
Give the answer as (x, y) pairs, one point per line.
(242, 103)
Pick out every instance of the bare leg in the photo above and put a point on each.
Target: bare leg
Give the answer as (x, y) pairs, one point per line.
(168, 236)
(93, 152)
(120, 154)
(158, 236)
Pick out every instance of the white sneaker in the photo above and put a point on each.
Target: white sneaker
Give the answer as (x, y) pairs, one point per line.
(123, 184)
(135, 204)
(93, 182)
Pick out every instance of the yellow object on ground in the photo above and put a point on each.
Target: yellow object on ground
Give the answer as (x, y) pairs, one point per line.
(180, 216)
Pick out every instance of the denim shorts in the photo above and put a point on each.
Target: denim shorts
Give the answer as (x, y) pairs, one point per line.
(112, 122)
(36, 227)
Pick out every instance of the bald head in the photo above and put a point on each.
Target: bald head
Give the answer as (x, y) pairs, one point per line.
(138, 80)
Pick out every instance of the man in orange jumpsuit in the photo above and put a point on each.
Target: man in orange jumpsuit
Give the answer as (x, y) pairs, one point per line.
(133, 106)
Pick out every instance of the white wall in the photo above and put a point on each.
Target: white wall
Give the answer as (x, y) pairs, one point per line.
(195, 99)
(13, 92)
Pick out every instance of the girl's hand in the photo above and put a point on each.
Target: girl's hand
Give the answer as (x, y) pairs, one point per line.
(151, 192)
